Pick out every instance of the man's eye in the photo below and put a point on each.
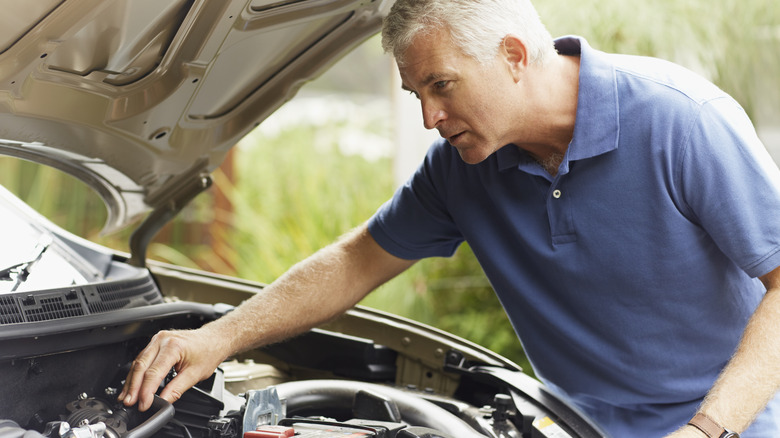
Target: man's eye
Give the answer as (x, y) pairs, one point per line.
(440, 84)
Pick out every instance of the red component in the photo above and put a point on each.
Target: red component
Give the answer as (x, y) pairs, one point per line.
(270, 432)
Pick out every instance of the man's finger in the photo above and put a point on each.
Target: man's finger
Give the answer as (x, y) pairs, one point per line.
(152, 379)
(135, 377)
(148, 371)
(179, 384)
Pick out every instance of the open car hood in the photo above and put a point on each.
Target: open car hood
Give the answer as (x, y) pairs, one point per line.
(142, 99)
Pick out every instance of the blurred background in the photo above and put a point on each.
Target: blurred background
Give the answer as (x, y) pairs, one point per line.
(328, 159)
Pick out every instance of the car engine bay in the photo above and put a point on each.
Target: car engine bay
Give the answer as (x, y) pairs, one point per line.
(64, 353)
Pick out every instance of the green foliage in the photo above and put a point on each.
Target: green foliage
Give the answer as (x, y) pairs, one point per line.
(291, 199)
(454, 295)
(63, 199)
(731, 42)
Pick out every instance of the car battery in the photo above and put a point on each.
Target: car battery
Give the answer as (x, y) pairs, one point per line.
(304, 430)
(307, 428)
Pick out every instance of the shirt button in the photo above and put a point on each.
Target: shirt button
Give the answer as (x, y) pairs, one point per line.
(556, 194)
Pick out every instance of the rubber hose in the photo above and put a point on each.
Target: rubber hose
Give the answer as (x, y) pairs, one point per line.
(164, 414)
(314, 394)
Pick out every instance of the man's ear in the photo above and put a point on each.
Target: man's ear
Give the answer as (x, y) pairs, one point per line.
(515, 55)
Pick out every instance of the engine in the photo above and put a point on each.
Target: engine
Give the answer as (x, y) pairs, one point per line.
(310, 408)
(60, 373)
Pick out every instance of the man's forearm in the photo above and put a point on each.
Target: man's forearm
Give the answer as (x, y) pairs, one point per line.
(313, 291)
(752, 377)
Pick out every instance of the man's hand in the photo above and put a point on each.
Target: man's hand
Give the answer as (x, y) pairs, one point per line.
(320, 288)
(194, 354)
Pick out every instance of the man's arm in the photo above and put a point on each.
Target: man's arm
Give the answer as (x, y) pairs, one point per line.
(310, 293)
(752, 377)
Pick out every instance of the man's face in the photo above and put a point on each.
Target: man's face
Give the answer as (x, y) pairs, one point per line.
(469, 103)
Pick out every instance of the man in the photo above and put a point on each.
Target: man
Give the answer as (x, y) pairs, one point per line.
(622, 207)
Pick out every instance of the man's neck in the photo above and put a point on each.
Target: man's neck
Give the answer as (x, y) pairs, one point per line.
(557, 112)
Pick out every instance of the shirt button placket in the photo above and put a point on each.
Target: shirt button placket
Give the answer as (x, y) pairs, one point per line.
(561, 220)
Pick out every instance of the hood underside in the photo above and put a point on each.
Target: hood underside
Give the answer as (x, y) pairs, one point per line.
(142, 99)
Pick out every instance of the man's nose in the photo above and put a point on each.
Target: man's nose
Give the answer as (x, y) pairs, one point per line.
(432, 114)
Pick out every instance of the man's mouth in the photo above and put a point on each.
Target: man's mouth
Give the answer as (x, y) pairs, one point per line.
(454, 138)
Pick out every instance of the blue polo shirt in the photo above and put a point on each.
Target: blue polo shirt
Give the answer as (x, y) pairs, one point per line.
(630, 275)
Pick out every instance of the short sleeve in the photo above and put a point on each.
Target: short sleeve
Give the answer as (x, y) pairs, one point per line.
(415, 222)
(732, 186)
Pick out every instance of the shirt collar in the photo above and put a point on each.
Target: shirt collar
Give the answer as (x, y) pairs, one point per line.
(596, 127)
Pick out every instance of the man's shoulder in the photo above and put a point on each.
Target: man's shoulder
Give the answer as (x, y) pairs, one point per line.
(644, 73)
(660, 77)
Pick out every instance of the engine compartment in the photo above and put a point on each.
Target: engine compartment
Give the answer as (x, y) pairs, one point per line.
(45, 406)
(60, 375)
(72, 395)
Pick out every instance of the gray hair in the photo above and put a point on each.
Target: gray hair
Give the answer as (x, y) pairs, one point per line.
(477, 27)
